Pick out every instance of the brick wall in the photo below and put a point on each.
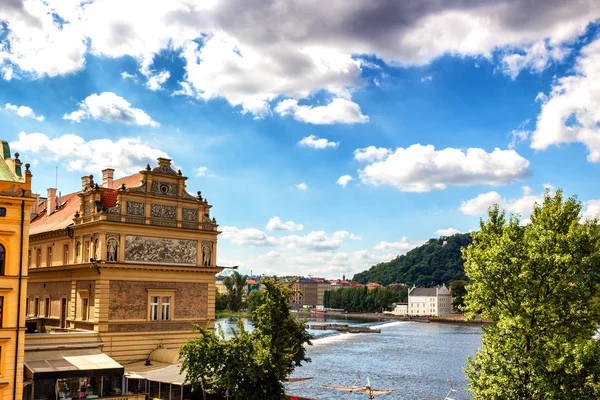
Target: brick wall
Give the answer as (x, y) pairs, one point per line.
(54, 290)
(129, 299)
(153, 327)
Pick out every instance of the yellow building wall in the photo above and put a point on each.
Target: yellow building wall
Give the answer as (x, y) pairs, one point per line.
(10, 238)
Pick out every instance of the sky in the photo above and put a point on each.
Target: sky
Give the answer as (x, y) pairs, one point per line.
(328, 136)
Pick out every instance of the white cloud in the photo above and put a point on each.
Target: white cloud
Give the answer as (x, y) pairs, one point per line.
(522, 205)
(317, 240)
(402, 246)
(253, 52)
(422, 168)
(344, 179)
(371, 154)
(247, 237)
(317, 143)
(302, 186)
(7, 73)
(275, 224)
(203, 172)
(126, 75)
(536, 58)
(591, 209)
(23, 111)
(446, 232)
(427, 78)
(109, 107)
(571, 111)
(337, 111)
(155, 81)
(125, 155)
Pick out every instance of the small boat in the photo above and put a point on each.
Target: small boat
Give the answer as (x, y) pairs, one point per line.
(366, 389)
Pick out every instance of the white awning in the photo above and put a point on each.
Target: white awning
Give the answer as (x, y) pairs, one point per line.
(66, 363)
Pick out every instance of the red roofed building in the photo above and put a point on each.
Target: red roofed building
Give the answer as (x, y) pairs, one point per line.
(132, 260)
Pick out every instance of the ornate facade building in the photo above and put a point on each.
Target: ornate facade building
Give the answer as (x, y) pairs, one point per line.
(131, 261)
(15, 201)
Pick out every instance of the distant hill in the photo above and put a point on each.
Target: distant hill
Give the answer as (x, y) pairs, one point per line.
(428, 265)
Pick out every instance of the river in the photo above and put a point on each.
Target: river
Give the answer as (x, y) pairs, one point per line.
(416, 358)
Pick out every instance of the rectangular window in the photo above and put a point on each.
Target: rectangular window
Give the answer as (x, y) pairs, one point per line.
(1, 310)
(87, 252)
(166, 308)
(154, 308)
(47, 307)
(38, 259)
(66, 255)
(36, 307)
(27, 306)
(84, 310)
(28, 258)
(49, 259)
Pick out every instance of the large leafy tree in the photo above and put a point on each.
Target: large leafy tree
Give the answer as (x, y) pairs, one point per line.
(250, 365)
(235, 284)
(537, 284)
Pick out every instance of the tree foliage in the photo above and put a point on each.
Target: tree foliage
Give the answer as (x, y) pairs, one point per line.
(458, 291)
(251, 365)
(256, 298)
(431, 264)
(537, 284)
(235, 284)
(360, 299)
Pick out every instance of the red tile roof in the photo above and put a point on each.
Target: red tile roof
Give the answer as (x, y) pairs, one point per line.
(69, 205)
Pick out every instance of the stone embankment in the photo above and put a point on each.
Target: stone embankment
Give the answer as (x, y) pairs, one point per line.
(454, 319)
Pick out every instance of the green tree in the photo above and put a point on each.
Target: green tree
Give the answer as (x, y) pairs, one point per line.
(256, 298)
(221, 301)
(251, 365)
(235, 284)
(537, 284)
(458, 291)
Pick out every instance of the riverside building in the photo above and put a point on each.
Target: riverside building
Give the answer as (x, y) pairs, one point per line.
(435, 301)
(120, 273)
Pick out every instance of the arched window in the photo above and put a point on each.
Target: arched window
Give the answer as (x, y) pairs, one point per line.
(2, 260)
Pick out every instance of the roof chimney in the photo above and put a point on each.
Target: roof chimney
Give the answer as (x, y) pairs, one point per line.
(51, 201)
(34, 207)
(107, 178)
(85, 181)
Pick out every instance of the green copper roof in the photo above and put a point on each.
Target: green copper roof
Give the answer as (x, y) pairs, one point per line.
(5, 173)
(5, 149)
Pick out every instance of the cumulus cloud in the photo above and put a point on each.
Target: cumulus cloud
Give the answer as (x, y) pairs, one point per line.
(401, 246)
(344, 179)
(203, 172)
(302, 186)
(427, 78)
(275, 224)
(247, 237)
(253, 52)
(446, 232)
(371, 154)
(317, 240)
(317, 143)
(155, 81)
(125, 155)
(23, 111)
(337, 111)
(109, 107)
(571, 111)
(126, 75)
(521, 205)
(536, 58)
(422, 168)
(591, 209)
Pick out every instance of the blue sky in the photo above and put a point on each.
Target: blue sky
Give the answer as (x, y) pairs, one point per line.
(327, 139)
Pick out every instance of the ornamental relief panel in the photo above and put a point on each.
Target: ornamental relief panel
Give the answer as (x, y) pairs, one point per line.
(87, 208)
(154, 250)
(159, 188)
(163, 211)
(136, 208)
(189, 214)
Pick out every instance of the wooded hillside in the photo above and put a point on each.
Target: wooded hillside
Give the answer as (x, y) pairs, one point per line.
(428, 265)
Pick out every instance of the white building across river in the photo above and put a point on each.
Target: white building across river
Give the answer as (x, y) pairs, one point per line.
(435, 301)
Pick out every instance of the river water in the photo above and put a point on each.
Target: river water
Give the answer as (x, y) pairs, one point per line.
(416, 358)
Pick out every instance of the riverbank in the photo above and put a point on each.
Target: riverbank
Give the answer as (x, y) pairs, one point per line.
(232, 314)
(459, 320)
